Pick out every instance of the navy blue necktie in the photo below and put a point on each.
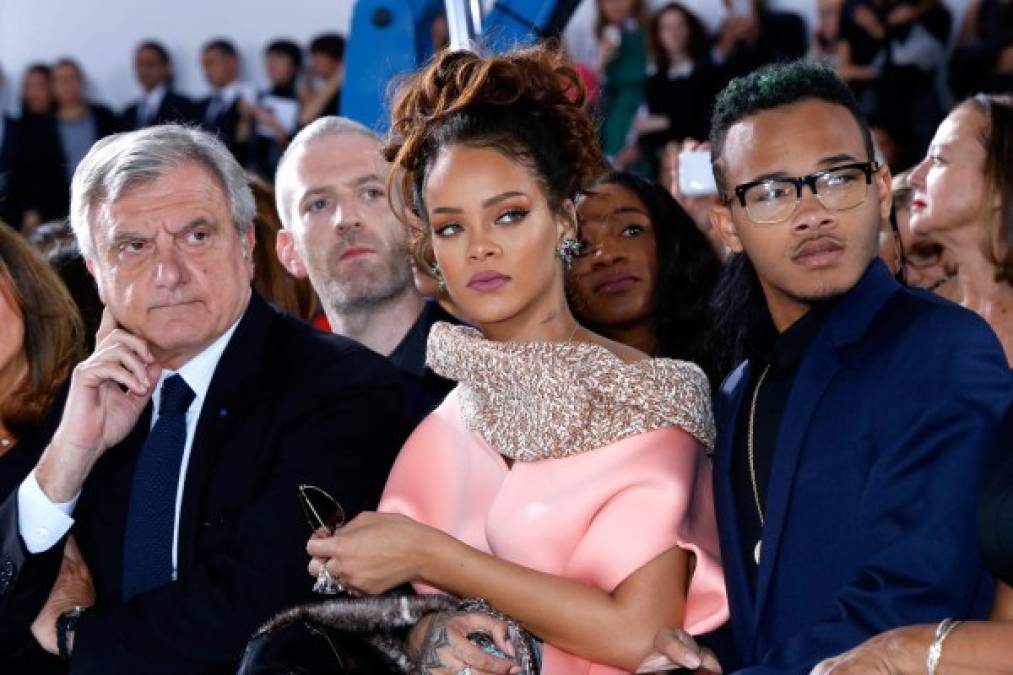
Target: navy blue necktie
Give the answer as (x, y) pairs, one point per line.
(151, 517)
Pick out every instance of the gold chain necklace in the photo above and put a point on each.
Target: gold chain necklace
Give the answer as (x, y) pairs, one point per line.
(752, 467)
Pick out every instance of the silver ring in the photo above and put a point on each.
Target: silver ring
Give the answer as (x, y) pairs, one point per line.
(464, 671)
(326, 584)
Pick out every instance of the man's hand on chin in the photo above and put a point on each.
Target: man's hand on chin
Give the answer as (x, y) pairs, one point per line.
(73, 588)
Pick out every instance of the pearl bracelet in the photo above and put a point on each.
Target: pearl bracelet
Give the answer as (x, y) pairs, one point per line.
(943, 631)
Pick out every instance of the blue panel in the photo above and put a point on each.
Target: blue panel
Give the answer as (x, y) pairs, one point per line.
(384, 42)
(389, 38)
(515, 22)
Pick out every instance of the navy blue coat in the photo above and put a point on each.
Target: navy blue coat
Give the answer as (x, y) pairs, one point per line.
(875, 479)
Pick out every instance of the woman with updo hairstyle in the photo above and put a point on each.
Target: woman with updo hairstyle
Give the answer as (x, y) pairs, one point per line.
(565, 480)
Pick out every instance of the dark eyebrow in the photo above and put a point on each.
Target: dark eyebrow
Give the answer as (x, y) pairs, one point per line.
(629, 209)
(126, 235)
(841, 158)
(827, 162)
(501, 197)
(487, 203)
(199, 221)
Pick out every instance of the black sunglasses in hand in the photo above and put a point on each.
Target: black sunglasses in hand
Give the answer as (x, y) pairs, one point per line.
(320, 509)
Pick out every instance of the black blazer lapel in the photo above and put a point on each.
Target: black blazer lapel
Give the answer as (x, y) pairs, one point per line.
(232, 387)
(847, 323)
(739, 593)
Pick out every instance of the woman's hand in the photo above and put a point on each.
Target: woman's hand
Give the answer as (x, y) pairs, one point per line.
(439, 644)
(896, 652)
(377, 551)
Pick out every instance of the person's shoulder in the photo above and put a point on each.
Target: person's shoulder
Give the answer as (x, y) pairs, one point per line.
(101, 110)
(669, 392)
(302, 351)
(176, 97)
(624, 353)
(926, 317)
(775, 20)
(932, 340)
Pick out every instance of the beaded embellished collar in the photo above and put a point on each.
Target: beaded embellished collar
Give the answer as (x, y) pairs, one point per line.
(536, 400)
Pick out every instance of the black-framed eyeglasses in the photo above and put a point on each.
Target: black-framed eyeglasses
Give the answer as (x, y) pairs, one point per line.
(320, 509)
(774, 200)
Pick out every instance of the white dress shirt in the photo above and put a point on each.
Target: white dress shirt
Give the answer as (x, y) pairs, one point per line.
(42, 523)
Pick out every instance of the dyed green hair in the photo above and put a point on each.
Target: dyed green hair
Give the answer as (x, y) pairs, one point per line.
(776, 86)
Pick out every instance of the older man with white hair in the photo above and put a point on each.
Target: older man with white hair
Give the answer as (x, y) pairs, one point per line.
(340, 231)
(186, 435)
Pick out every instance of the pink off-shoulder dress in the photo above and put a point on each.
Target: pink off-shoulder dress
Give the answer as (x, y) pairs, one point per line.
(609, 470)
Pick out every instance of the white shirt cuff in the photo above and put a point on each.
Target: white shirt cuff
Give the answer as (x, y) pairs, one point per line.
(41, 522)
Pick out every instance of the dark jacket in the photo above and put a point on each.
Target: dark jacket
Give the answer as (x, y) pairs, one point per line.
(875, 479)
(287, 405)
(174, 108)
(225, 126)
(38, 178)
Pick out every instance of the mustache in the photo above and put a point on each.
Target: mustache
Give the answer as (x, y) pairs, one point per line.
(359, 237)
(819, 237)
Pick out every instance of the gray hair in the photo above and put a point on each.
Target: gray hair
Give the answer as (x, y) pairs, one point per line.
(325, 127)
(121, 161)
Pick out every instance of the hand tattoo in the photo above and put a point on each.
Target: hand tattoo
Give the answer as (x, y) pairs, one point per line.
(436, 640)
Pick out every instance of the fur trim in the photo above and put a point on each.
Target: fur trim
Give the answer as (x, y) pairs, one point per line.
(383, 622)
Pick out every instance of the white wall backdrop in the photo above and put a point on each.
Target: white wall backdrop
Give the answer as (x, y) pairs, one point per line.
(101, 34)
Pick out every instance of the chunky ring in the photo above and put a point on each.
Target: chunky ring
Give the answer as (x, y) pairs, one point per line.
(464, 671)
(326, 584)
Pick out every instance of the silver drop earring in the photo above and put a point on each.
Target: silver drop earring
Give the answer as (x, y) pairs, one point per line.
(438, 273)
(567, 250)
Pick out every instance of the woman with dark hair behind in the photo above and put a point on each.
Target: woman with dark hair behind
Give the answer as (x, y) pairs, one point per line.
(38, 187)
(68, 262)
(645, 274)
(681, 86)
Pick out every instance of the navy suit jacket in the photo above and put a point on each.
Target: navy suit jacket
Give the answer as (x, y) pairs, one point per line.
(875, 479)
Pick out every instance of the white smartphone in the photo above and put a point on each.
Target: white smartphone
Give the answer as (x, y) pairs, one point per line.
(612, 35)
(696, 178)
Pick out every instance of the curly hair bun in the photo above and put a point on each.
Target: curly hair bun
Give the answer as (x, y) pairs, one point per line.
(527, 103)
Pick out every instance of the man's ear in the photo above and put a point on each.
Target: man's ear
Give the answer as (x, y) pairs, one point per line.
(248, 241)
(723, 223)
(884, 187)
(291, 260)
